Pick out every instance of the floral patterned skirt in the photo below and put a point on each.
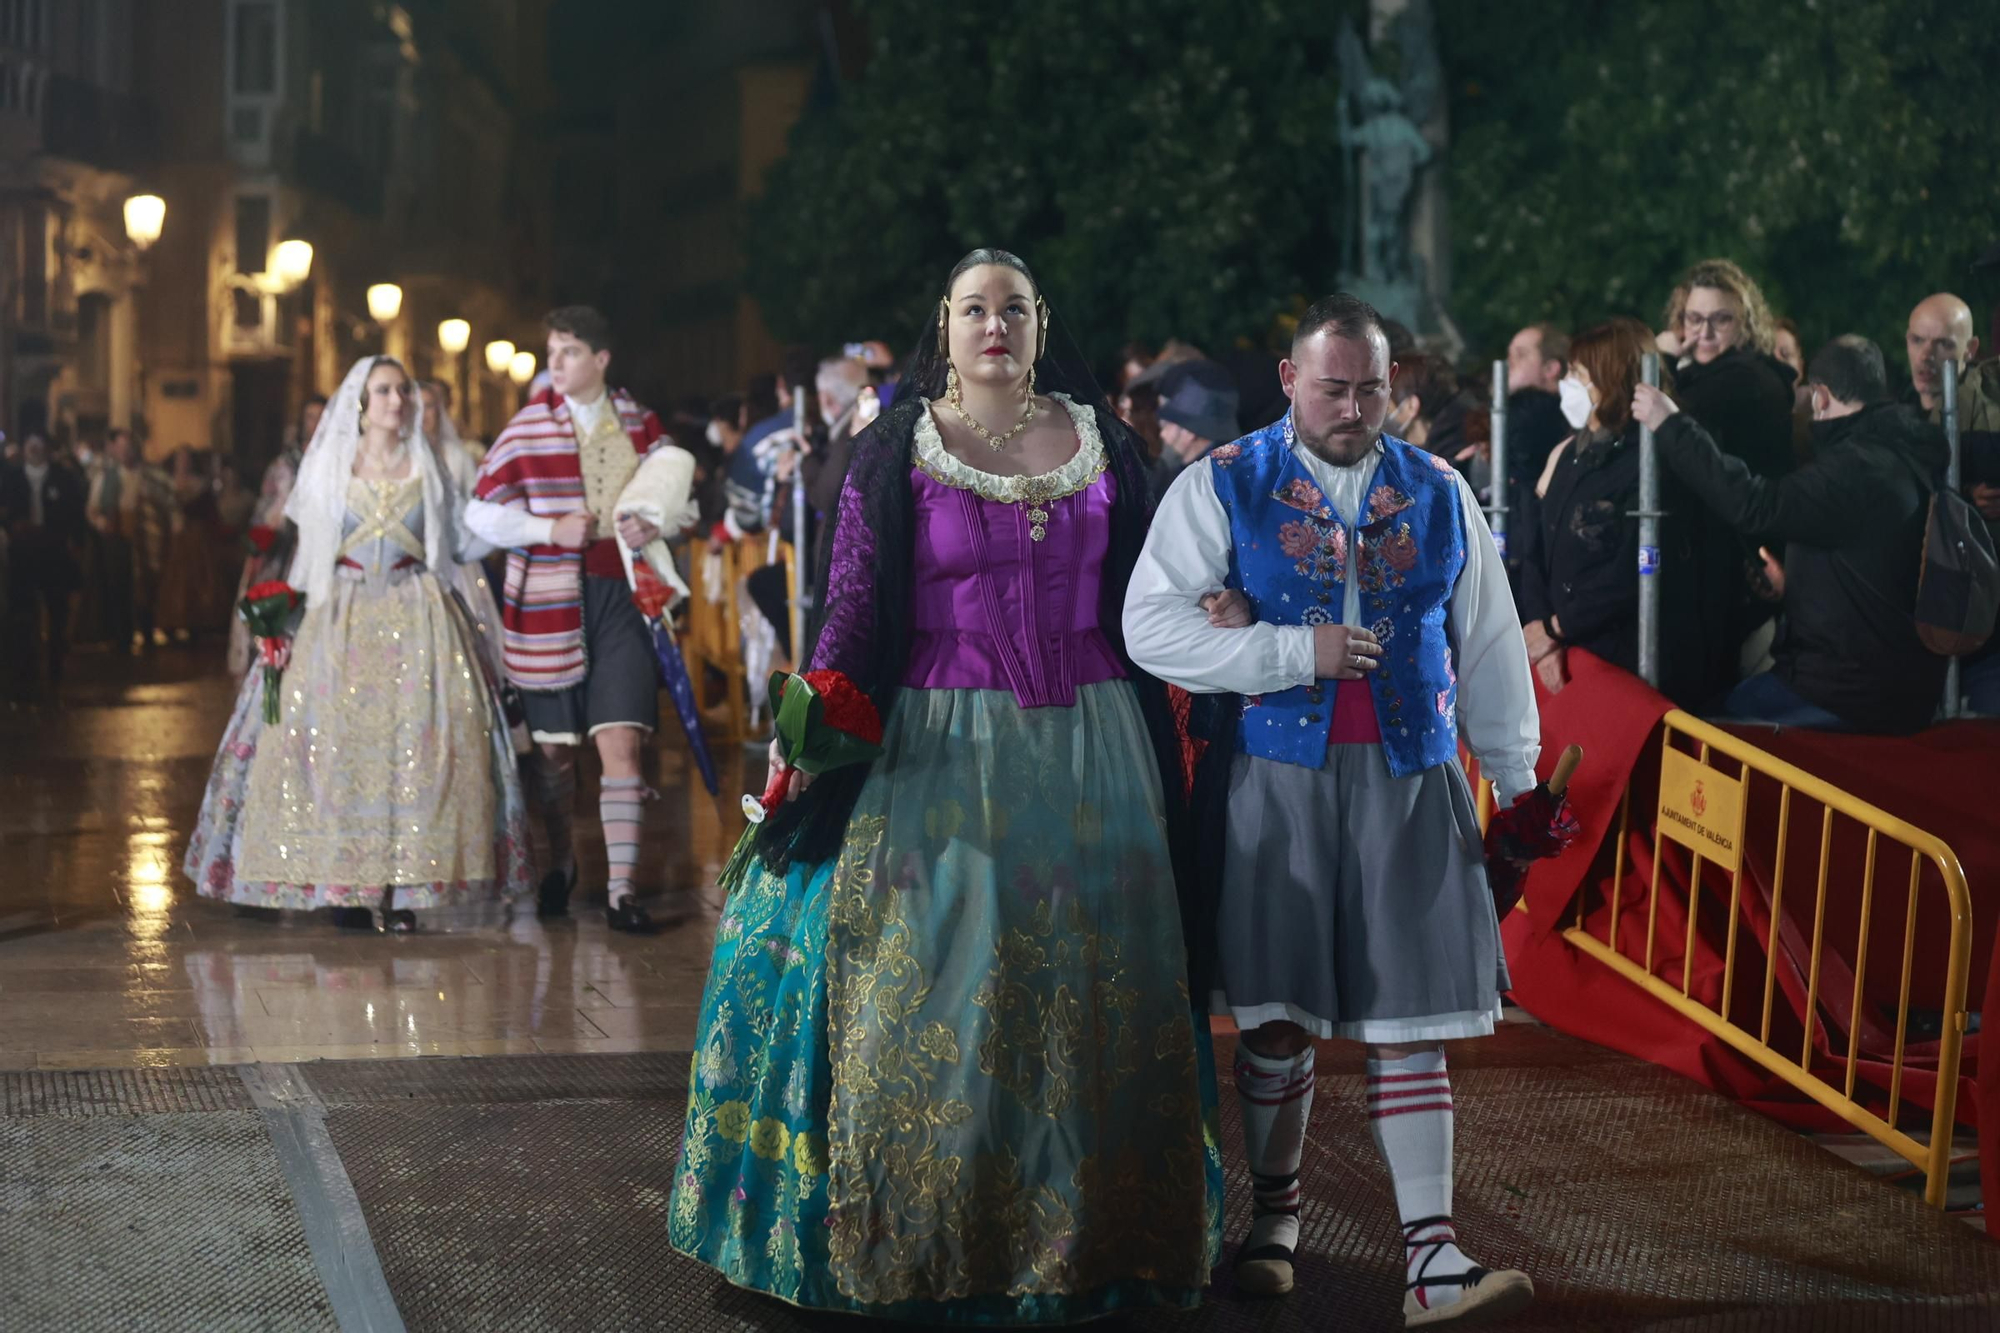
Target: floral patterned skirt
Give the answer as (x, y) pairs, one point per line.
(390, 765)
(955, 1074)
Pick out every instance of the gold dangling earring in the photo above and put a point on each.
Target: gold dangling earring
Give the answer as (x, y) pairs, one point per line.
(1031, 384)
(951, 393)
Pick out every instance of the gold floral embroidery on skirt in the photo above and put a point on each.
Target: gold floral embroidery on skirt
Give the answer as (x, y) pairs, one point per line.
(925, 1202)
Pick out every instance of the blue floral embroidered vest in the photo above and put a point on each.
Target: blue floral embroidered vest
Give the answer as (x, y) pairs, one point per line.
(1289, 558)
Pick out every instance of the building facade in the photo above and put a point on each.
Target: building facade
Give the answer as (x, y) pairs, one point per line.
(381, 136)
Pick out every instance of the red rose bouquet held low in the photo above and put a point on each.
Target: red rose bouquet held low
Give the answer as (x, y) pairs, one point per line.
(823, 722)
(267, 609)
(1539, 825)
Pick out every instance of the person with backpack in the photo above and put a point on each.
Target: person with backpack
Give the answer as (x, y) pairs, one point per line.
(1853, 521)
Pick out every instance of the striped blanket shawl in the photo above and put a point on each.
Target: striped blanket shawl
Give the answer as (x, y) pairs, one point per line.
(534, 465)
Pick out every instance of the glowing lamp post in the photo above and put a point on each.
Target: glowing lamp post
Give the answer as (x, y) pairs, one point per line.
(499, 355)
(145, 219)
(454, 336)
(385, 302)
(522, 368)
(291, 264)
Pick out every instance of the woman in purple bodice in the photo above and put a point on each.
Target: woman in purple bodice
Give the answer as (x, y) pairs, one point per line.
(948, 1068)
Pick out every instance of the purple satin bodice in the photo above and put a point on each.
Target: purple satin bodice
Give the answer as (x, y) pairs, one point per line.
(992, 607)
(995, 609)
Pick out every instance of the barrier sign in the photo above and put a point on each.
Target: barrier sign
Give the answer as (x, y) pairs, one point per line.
(1700, 808)
(1649, 559)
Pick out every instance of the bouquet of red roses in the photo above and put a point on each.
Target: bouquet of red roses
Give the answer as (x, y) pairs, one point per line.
(267, 609)
(823, 722)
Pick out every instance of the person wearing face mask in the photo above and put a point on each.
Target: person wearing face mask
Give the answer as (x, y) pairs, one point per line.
(1579, 544)
(1848, 657)
(1338, 590)
(949, 1002)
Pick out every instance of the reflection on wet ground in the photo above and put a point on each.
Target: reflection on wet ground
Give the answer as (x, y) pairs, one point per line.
(109, 959)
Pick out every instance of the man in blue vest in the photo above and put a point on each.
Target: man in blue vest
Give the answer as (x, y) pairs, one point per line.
(1339, 589)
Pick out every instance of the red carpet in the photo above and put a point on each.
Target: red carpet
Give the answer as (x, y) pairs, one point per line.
(1944, 781)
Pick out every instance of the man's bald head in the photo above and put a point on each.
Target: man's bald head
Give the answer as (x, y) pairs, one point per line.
(1940, 330)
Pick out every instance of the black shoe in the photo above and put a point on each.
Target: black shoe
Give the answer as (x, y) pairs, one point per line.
(556, 888)
(353, 918)
(401, 921)
(628, 916)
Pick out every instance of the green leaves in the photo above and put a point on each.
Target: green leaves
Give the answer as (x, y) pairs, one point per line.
(1599, 150)
(1166, 168)
(1171, 167)
(808, 741)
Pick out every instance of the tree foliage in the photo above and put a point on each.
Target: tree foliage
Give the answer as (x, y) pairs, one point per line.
(1840, 150)
(1165, 167)
(1171, 167)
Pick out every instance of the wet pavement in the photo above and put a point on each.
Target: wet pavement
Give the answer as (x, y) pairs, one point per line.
(212, 1119)
(108, 959)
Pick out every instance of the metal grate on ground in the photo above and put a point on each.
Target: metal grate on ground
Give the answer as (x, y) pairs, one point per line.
(150, 1220)
(1636, 1199)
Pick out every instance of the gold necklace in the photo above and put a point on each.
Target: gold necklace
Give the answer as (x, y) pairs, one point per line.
(956, 397)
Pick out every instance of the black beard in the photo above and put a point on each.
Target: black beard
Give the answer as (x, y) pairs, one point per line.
(1334, 446)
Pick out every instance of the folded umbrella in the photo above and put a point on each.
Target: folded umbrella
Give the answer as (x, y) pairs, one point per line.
(653, 596)
(1539, 825)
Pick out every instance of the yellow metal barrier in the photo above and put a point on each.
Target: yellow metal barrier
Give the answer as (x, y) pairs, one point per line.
(1716, 839)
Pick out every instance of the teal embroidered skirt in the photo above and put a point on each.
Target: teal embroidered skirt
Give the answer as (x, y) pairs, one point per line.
(955, 1075)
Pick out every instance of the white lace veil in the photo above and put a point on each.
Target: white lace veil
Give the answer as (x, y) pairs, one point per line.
(318, 503)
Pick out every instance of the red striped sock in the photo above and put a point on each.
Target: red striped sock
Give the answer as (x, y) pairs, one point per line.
(1409, 1113)
(1276, 1099)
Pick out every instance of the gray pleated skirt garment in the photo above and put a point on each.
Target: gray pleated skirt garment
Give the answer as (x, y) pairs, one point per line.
(1355, 904)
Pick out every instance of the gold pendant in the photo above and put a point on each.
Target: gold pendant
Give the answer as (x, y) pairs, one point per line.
(1038, 517)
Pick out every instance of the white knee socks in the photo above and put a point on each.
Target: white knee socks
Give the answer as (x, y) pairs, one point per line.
(1276, 1096)
(1409, 1113)
(620, 802)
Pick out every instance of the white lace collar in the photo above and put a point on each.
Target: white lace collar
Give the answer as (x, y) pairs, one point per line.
(1084, 467)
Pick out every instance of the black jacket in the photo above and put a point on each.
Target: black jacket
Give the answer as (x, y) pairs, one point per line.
(1579, 552)
(44, 556)
(1743, 399)
(1853, 525)
(1535, 425)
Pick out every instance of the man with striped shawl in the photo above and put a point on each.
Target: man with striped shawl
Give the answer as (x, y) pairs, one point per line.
(578, 462)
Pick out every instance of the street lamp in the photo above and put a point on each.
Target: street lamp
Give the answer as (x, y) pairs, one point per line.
(291, 264)
(385, 302)
(145, 218)
(499, 355)
(454, 336)
(522, 368)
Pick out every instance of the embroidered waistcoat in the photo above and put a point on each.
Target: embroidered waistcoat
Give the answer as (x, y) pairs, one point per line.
(1289, 558)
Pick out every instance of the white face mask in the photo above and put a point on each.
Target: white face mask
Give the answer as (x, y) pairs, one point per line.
(715, 433)
(1575, 401)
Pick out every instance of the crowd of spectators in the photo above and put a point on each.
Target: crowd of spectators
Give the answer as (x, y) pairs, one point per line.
(1795, 485)
(100, 548)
